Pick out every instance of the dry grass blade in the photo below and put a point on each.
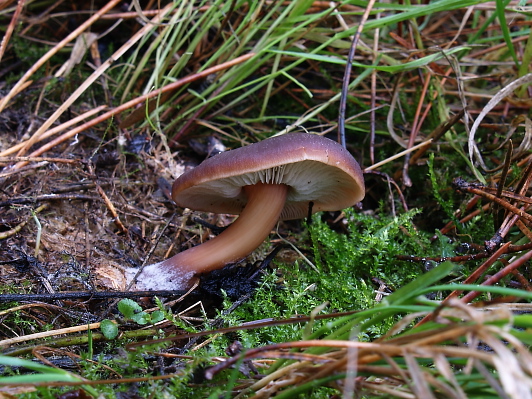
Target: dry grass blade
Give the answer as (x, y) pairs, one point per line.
(19, 86)
(11, 26)
(508, 365)
(139, 100)
(23, 144)
(419, 381)
(88, 82)
(446, 370)
(6, 343)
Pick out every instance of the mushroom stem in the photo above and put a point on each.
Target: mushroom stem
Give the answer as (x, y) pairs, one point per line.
(265, 203)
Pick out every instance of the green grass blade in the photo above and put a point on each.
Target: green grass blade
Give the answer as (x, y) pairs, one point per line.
(392, 68)
(35, 378)
(500, 7)
(44, 373)
(481, 288)
(16, 362)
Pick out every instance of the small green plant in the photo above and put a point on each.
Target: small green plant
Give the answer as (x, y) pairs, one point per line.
(109, 329)
(133, 311)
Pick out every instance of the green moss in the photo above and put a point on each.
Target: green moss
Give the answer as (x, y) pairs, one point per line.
(351, 263)
(347, 266)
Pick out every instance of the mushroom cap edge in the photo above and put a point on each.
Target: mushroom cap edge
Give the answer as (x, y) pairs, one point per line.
(315, 168)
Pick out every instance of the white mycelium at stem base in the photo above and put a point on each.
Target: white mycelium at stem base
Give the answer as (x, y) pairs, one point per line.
(265, 203)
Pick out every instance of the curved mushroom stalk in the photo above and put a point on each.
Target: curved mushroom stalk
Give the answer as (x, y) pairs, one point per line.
(312, 167)
(265, 203)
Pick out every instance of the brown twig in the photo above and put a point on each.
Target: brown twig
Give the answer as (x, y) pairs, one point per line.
(87, 295)
(499, 276)
(436, 135)
(462, 185)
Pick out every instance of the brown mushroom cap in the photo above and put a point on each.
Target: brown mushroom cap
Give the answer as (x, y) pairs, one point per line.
(314, 168)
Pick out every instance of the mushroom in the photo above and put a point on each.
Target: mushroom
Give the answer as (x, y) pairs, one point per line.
(279, 178)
